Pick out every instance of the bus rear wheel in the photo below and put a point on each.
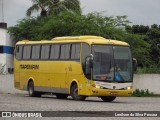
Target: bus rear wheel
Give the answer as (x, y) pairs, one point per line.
(108, 98)
(61, 96)
(31, 91)
(74, 93)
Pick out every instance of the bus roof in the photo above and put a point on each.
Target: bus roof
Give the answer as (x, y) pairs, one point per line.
(72, 39)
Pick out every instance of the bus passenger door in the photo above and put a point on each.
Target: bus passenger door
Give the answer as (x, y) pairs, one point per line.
(73, 66)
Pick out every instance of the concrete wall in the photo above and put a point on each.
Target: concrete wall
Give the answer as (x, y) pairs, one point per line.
(7, 61)
(6, 55)
(147, 81)
(5, 38)
(7, 84)
(143, 81)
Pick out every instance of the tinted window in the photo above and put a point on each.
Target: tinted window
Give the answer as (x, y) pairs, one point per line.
(45, 49)
(35, 52)
(63, 47)
(18, 52)
(85, 52)
(27, 52)
(65, 51)
(55, 51)
(75, 51)
(103, 62)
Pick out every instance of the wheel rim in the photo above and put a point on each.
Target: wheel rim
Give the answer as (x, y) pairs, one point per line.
(30, 91)
(76, 92)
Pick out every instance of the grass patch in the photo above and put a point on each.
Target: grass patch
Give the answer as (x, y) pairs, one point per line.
(142, 93)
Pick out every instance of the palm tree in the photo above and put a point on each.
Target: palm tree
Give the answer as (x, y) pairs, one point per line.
(54, 7)
(38, 5)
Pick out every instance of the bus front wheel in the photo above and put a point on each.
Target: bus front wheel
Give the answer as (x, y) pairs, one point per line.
(108, 98)
(31, 91)
(74, 93)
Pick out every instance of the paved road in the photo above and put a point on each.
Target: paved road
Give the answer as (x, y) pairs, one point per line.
(22, 102)
(47, 103)
(16, 100)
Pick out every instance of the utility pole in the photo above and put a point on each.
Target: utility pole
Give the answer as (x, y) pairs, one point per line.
(2, 23)
(2, 7)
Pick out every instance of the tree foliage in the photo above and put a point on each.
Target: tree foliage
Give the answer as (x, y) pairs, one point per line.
(69, 24)
(152, 37)
(54, 7)
(144, 40)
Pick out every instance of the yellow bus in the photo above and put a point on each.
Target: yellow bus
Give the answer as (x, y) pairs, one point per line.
(80, 66)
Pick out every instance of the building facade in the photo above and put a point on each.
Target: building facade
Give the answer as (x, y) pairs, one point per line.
(6, 50)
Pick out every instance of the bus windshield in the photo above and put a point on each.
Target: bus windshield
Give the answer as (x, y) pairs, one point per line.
(112, 63)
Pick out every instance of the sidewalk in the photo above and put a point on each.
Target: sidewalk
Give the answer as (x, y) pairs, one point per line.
(7, 85)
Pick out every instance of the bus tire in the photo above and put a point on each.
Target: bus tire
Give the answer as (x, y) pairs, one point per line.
(74, 93)
(108, 98)
(31, 91)
(61, 96)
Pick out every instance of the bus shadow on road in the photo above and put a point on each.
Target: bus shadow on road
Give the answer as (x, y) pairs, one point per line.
(88, 99)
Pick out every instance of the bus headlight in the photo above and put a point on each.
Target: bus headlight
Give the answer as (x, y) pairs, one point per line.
(96, 86)
(129, 88)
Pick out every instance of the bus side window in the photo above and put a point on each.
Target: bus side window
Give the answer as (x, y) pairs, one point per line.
(65, 52)
(75, 51)
(17, 49)
(85, 53)
(45, 50)
(18, 52)
(55, 49)
(62, 55)
(27, 52)
(35, 52)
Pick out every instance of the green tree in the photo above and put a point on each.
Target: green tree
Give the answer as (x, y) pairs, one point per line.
(137, 29)
(69, 24)
(140, 49)
(152, 36)
(39, 5)
(58, 6)
(54, 7)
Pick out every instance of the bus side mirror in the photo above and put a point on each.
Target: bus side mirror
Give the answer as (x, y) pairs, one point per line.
(134, 61)
(89, 61)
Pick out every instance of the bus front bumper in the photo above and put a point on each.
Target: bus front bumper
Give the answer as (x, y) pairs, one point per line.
(109, 92)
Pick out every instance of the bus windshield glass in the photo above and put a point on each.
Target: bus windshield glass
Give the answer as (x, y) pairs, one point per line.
(112, 63)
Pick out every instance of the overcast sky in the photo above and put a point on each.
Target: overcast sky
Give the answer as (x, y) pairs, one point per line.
(144, 12)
